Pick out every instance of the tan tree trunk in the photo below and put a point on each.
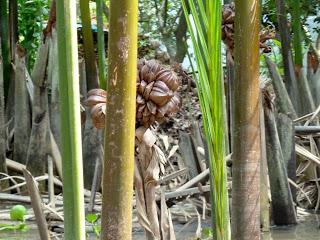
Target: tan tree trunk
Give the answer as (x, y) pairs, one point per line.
(246, 148)
(120, 121)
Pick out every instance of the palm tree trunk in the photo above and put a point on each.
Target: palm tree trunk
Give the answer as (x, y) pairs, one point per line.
(5, 44)
(3, 167)
(74, 222)
(289, 74)
(13, 22)
(246, 168)
(120, 121)
(22, 113)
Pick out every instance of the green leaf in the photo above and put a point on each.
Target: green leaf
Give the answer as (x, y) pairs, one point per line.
(204, 25)
(97, 229)
(207, 232)
(92, 218)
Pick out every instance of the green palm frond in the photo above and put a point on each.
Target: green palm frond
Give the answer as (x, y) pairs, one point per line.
(204, 24)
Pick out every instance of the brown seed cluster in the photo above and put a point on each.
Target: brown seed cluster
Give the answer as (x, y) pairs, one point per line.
(156, 100)
(227, 27)
(97, 99)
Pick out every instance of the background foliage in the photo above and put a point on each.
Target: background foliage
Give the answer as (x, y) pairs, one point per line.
(32, 18)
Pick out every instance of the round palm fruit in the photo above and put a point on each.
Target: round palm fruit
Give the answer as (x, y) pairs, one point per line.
(18, 212)
(156, 100)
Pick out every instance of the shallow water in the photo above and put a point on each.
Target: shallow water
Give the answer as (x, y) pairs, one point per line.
(308, 228)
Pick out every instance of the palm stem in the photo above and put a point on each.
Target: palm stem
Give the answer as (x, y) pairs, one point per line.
(204, 25)
(89, 54)
(120, 121)
(101, 44)
(70, 121)
(246, 148)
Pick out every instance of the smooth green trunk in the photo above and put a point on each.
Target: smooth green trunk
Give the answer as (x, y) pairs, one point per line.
(120, 121)
(246, 148)
(101, 45)
(74, 221)
(89, 54)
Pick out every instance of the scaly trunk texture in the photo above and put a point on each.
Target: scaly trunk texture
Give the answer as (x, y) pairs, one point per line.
(13, 23)
(22, 115)
(289, 74)
(5, 44)
(38, 147)
(3, 167)
(282, 205)
(73, 202)
(120, 121)
(53, 81)
(246, 152)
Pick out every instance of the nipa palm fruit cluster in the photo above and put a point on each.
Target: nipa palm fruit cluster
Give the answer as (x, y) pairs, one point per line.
(157, 96)
(228, 17)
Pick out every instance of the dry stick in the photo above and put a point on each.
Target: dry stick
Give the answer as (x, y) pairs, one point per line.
(37, 206)
(171, 176)
(194, 180)
(198, 178)
(18, 167)
(11, 178)
(166, 226)
(307, 155)
(307, 130)
(187, 192)
(37, 179)
(314, 115)
(51, 182)
(264, 181)
(26, 199)
(96, 181)
(14, 198)
(303, 192)
(300, 119)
